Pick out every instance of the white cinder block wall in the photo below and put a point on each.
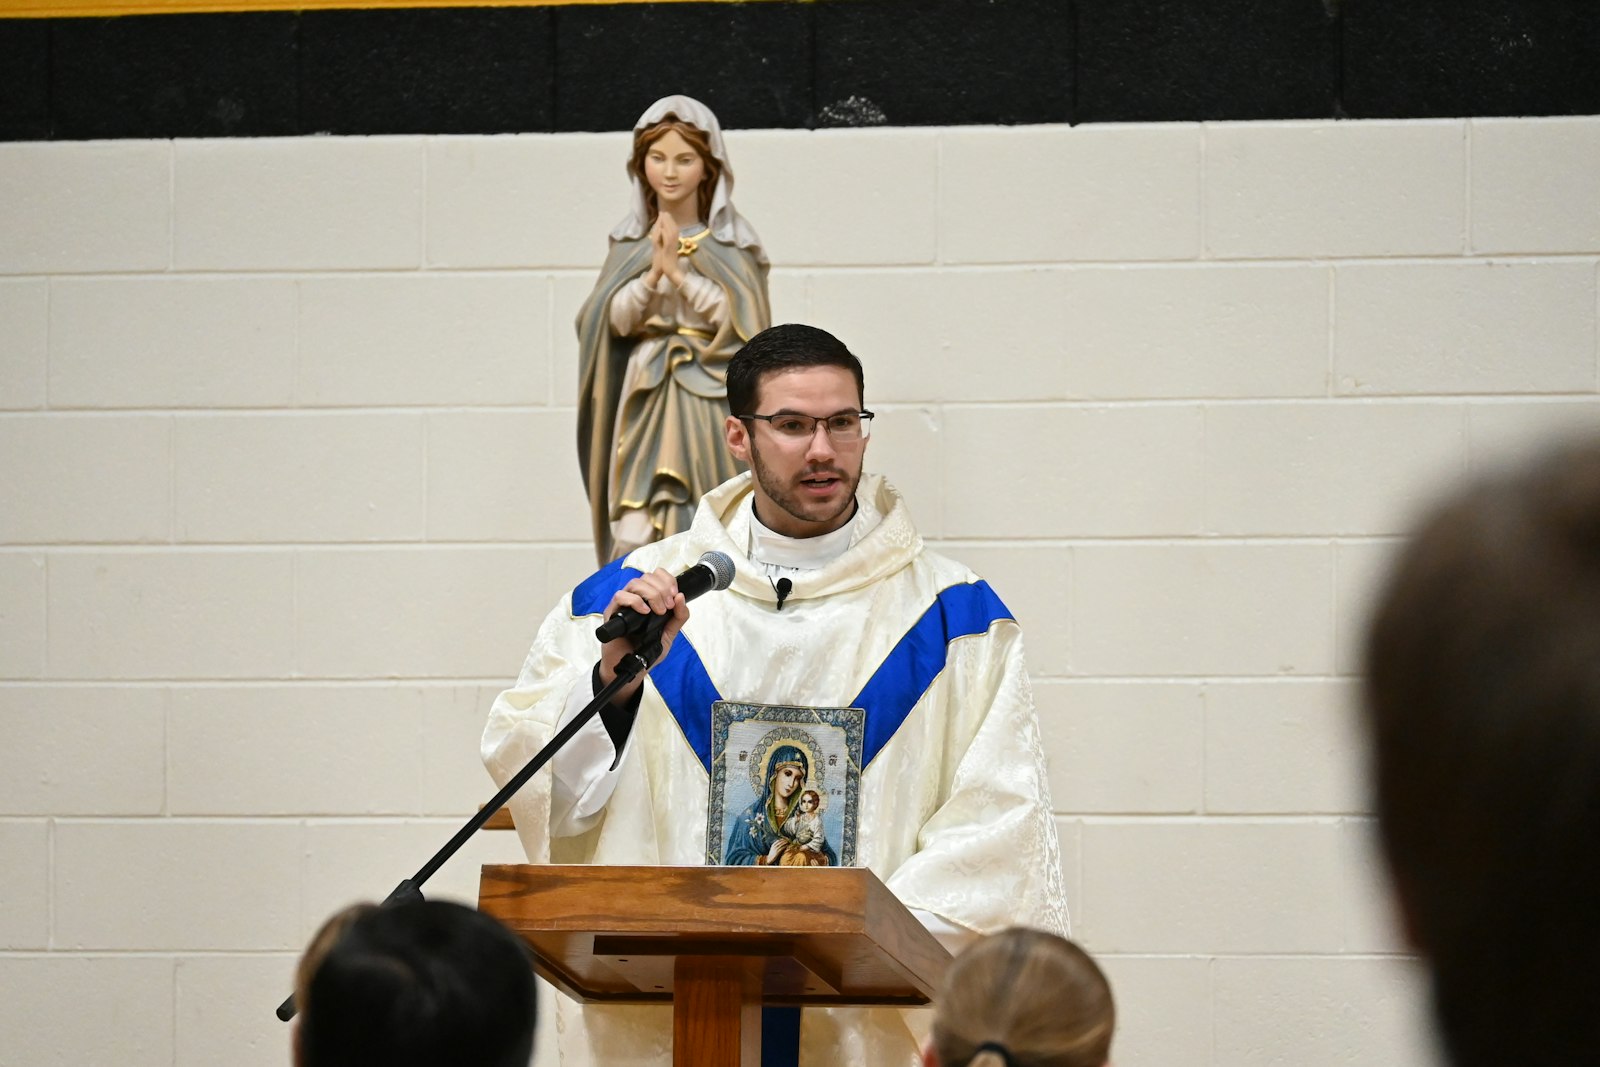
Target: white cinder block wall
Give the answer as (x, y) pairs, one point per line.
(287, 478)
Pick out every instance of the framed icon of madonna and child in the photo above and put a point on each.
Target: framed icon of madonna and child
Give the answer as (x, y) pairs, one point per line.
(785, 785)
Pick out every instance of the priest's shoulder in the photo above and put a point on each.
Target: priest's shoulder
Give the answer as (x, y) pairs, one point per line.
(952, 580)
(590, 596)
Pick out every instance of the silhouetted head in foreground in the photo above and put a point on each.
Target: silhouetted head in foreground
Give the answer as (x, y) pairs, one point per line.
(424, 983)
(1483, 707)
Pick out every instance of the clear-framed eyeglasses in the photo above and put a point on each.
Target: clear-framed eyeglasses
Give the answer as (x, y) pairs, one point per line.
(845, 426)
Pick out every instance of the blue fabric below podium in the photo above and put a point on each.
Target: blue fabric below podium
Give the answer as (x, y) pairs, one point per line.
(780, 1037)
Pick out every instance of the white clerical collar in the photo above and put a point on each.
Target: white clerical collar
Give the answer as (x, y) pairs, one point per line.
(776, 550)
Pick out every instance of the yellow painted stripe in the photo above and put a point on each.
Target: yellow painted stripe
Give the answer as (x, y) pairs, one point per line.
(40, 9)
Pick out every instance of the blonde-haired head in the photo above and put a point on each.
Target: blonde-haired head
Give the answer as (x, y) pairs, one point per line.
(1023, 998)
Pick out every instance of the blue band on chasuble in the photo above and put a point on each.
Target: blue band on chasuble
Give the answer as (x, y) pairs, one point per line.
(919, 658)
(595, 592)
(888, 697)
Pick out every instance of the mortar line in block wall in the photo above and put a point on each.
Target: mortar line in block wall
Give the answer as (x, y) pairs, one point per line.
(294, 954)
(301, 819)
(215, 411)
(255, 548)
(1189, 679)
(1349, 400)
(245, 273)
(954, 543)
(145, 953)
(1327, 819)
(1179, 540)
(887, 406)
(384, 682)
(242, 548)
(1261, 262)
(898, 404)
(449, 682)
(1247, 954)
(560, 271)
(895, 405)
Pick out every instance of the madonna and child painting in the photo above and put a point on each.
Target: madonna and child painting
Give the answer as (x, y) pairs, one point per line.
(784, 785)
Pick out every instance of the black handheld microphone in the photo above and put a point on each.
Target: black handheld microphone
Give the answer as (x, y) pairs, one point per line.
(714, 571)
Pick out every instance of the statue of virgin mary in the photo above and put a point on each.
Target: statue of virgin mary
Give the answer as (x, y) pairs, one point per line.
(683, 288)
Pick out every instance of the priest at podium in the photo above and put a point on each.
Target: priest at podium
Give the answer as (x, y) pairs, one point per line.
(852, 698)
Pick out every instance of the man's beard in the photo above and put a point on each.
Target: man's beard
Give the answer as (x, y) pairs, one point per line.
(789, 499)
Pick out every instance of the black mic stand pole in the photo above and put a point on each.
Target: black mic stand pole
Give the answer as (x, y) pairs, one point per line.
(633, 664)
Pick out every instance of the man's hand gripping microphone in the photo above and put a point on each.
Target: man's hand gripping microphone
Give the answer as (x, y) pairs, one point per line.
(714, 571)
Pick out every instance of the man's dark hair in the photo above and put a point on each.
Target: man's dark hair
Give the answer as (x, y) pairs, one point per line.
(421, 983)
(1483, 703)
(790, 346)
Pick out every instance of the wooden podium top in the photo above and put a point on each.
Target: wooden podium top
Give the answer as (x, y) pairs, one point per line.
(826, 935)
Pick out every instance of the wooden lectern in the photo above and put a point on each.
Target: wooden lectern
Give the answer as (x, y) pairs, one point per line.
(718, 942)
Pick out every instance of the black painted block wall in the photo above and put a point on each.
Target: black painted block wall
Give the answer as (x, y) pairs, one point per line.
(449, 70)
(792, 64)
(944, 63)
(1472, 57)
(1165, 60)
(189, 76)
(750, 63)
(24, 80)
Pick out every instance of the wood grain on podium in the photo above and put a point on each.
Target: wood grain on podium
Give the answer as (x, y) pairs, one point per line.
(717, 1012)
(823, 935)
(718, 942)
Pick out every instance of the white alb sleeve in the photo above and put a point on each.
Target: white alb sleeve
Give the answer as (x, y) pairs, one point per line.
(954, 938)
(582, 780)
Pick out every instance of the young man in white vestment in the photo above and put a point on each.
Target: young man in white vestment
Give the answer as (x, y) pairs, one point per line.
(835, 604)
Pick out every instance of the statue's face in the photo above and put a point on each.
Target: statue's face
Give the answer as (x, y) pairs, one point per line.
(674, 169)
(786, 781)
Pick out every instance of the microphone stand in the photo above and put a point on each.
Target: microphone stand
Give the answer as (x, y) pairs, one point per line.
(633, 664)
